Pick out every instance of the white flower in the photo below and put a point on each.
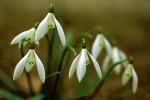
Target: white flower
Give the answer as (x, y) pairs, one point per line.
(24, 37)
(27, 62)
(128, 73)
(100, 43)
(118, 55)
(116, 58)
(79, 65)
(49, 22)
(106, 62)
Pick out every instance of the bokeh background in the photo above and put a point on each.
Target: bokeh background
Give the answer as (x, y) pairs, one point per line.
(126, 21)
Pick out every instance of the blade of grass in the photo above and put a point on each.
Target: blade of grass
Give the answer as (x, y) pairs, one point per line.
(7, 81)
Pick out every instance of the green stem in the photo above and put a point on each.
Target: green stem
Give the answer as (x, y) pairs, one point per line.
(50, 45)
(54, 89)
(91, 97)
(29, 80)
(49, 82)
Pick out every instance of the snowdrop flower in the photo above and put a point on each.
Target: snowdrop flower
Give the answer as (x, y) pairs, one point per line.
(50, 22)
(100, 43)
(27, 62)
(25, 37)
(79, 65)
(106, 62)
(118, 55)
(128, 73)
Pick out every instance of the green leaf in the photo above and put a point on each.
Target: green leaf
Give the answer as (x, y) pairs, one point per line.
(69, 38)
(8, 95)
(86, 88)
(37, 97)
(7, 81)
(53, 74)
(87, 85)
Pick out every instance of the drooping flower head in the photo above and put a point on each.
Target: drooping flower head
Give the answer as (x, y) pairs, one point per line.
(28, 61)
(128, 73)
(26, 37)
(50, 22)
(80, 62)
(100, 43)
(118, 55)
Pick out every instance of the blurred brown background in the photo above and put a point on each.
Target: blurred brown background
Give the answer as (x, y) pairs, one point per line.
(128, 21)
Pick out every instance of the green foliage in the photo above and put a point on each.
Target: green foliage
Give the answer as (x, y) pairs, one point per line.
(7, 81)
(37, 97)
(86, 87)
(8, 95)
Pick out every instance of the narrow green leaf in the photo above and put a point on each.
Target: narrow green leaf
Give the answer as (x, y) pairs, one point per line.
(8, 95)
(7, 81)
(69, 38)
(53, 74)
(37, 97)
(86, 86)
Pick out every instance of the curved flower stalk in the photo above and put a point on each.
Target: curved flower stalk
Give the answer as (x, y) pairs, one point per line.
(25, 37)
(118, 55)
(27, 62)
(79, 65)
(50, 22)
(128, 73)
(100, 43)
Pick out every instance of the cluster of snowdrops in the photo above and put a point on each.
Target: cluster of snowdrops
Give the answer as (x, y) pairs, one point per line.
(79, 65)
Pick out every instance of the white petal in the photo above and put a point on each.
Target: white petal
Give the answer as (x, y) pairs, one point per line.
(108, 46)
(115, 55)
(127, 74)
(125, 80)
(116, 58)
(81, 67)
(123, 56)
(31, 56)
(96, 65)
(40, 68)
(117, 69)
(37, 43)
(135, 81)
(106, 62)
(73, 66)
(42, 28)
(97, 46)
(19, 37)
(19, 67)
(60, 31)
(28, 68)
